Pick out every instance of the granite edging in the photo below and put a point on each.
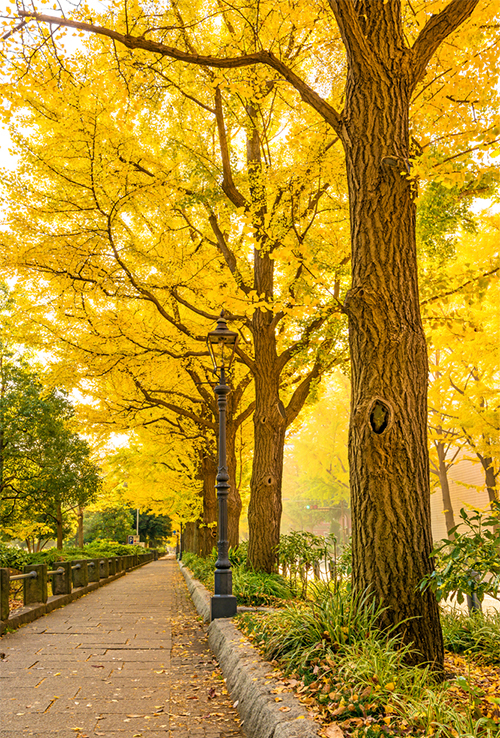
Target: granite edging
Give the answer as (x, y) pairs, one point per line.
(245, 674)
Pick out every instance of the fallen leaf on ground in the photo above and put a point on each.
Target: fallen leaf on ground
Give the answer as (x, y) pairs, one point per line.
(333, 731)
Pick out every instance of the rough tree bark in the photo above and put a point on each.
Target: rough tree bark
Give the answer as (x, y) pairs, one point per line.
(490, 477)
(264, 509)
(80, 527)
(208, 523)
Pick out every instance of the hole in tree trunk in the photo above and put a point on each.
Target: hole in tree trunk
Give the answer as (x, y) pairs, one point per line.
(379, 416)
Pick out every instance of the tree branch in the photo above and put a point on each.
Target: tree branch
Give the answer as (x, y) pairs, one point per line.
(461, 287)
(301, 392)
(228, 186)
(179, 411)
(303, 341)
(226, 252)
(437, 28)
(307, 94)
(353, 37)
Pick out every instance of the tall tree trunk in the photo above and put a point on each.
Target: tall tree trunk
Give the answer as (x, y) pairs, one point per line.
(59, 526)
(188, 537)
(388, 457)
(264, 510)
(208, 530)
(489, 476)
(234, 504)
(445, 488)
(80, 527)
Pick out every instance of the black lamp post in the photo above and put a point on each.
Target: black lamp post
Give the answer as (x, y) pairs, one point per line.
(221, 345)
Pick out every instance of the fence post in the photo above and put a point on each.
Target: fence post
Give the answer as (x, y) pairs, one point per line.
(4, 593)
(35, 589)
(104, 568)
(93, 567)
(61, 583)
(80, 573)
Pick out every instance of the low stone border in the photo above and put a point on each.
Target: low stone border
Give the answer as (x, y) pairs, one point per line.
(245, 673)
(199, 594)
(32, 612)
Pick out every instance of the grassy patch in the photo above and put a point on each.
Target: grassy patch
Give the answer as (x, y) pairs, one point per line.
(476, 635)
(249, 587)
(347, 671)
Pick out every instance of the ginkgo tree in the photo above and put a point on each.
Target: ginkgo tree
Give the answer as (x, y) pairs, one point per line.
(463, 331)
(360, 66)
(459, 265)
(147, 275)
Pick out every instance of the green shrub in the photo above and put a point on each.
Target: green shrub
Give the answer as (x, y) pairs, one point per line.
(468, 561)
(94, 550)
(238, 556)
(303, 632)
(258, 588)
(302, 552)
(202, 568)
(111, 548)
(249, 587)
(13, 558)
(476, 634)
(358, 674)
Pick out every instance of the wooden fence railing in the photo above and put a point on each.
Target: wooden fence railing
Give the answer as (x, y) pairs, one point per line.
(67, 577)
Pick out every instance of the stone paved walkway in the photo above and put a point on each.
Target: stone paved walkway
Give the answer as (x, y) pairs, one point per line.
(127, 661)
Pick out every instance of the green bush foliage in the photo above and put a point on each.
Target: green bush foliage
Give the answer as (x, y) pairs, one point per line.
(17, 558)
(476, 635)
(358, 675)
(257, 588)
(303, 632)
(467, 562)
(249, 587)
(13, 558)
(202, 568)
(302, 552)
(238, 555)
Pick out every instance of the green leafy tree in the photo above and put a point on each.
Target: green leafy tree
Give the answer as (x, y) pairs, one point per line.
(154, 529)
(467, 562)
(110, 524)
(46, 471)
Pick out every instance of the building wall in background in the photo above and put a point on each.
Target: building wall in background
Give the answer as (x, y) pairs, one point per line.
(464, 472)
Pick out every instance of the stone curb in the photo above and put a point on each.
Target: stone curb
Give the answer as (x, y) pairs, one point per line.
(245, 673)
(25, 615)
(199, 594)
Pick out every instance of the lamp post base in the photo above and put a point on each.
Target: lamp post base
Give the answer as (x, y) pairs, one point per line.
(222, 606)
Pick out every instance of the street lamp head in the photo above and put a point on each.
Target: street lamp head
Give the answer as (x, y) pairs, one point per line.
(221, 344)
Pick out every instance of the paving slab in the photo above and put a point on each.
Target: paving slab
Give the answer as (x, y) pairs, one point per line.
(128, 659)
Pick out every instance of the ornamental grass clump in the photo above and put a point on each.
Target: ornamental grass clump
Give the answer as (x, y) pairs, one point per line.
(476, 634)
(249, 587)
(202, 568)
(258, 588)
(323, 625)
(349, 671)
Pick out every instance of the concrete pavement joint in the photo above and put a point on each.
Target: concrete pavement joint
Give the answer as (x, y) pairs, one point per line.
(247, 677)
